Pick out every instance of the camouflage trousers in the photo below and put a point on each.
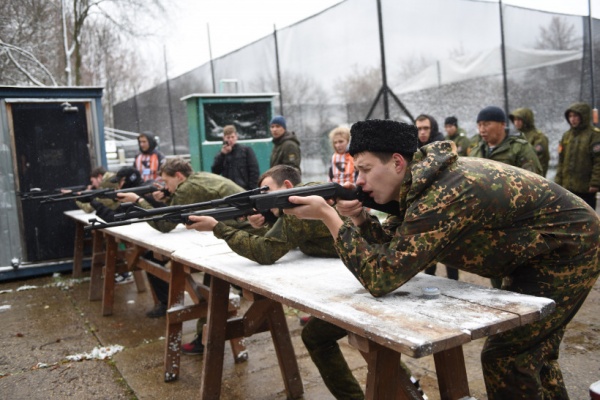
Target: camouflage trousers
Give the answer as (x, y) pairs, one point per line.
(523, 363)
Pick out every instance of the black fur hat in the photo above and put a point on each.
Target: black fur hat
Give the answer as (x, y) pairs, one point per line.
(385, 136)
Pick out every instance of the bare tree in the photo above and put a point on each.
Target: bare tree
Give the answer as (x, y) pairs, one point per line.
(123, 15)
(558, 35)
(359, 86)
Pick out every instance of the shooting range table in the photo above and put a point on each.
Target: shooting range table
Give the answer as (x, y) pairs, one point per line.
(402, 322)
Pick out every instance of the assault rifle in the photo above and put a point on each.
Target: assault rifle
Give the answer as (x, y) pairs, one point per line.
(88, 195)
(39, 194)
(241, 204)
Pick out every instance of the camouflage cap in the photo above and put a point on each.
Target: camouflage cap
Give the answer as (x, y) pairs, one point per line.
(385, 136)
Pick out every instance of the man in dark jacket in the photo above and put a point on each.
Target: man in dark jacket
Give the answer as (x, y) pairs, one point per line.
(429, 131)
(579, 155)
(235, 161)
(286, 147)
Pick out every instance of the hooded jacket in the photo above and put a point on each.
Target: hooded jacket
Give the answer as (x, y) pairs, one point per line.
(579, 153)
(535, 137)
(148, 162)
(286, 150)
(435, 134)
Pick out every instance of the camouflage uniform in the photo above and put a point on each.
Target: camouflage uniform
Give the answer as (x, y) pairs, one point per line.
(286, 150)
(579, 156)
(461, 141)
(311, 236)
(105, 184)
(514, 150)
(493, 220)
(197, 188)
(536, 138)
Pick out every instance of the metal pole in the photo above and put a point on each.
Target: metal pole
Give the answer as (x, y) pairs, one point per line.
(591, 40)
(169, 102)
(503, 51)
(278, 70)
(386, 108)
(137, 111)
(212, 68)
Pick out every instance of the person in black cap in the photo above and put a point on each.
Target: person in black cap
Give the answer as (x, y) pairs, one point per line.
(496, 144)
(480, 216)
(286, 147)
(457, 135)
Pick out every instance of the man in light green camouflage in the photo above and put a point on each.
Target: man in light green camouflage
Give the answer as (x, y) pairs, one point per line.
(186, 187)
(99, 179)
(476, 215)
(579, 155)
(524, 122)
(497, 145)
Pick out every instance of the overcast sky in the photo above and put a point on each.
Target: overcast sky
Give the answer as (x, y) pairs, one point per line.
(235, 23)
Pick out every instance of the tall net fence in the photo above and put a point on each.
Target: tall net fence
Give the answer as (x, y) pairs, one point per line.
(442, 58)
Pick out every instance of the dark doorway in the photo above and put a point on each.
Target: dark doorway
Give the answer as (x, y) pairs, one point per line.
(52, 151)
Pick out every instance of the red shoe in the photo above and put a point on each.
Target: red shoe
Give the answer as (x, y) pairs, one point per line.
(193, 348)
(304, 320)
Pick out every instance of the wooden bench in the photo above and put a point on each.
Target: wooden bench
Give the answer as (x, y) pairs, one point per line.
(403, 322)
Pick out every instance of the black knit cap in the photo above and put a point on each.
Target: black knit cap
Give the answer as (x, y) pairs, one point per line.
(451, 121)
(491, 113)
(384, 136)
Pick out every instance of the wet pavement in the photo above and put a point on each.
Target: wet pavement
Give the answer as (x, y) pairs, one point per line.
(45, 320)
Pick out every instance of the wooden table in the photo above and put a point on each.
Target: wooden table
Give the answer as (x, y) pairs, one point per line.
(403, 322)
(140, 238)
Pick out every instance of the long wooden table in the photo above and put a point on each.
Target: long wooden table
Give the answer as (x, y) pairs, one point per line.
(403, 322)
(139, 239)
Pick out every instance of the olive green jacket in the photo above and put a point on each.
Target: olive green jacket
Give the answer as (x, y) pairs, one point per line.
(514, 150)
(461, 141)
(105, 184)
(535, 137)
(579, 154)
(197, 188)
(286, 150)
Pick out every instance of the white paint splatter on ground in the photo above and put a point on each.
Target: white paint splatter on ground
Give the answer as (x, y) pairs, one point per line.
(99, 353)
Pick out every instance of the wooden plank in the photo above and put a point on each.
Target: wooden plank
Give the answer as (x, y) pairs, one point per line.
(110, 261)
(174, 322)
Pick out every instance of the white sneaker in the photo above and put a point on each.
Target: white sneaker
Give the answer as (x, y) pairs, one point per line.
(121, 279)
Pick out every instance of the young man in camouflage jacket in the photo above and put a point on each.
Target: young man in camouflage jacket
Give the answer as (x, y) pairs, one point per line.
(578, 167)
(519, 226)
(524, 122)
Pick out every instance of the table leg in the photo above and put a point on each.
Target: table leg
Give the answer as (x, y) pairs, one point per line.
(285, 352)
(78, 250)
(98, 258)
(174, 328)
(108, 297)
(212, 371)
(452, 373)
(385, 378)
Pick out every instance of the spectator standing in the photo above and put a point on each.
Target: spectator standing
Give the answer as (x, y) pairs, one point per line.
(428, 130)
(579, 155)
(236, 161)
(149, 160)
(286, 146)
(524, 122)
(457, 135)
(341, 169)
(496, 144)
